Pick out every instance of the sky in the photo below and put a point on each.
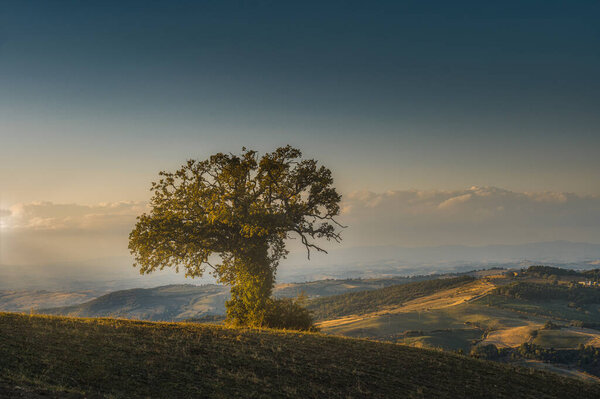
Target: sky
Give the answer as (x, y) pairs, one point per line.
(466, 123)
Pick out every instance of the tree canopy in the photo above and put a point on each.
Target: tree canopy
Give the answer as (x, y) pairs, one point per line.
(231, 214)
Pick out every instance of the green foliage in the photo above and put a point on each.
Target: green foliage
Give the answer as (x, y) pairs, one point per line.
(549, 325)
(585, 357)
(540, 270)
(240, 209)
(534, 333)
(107, 358)
(550, 271)
(289, 314)
(592, 275)
(585, 324)
(579, 295)
(370, 301)
(488, 352)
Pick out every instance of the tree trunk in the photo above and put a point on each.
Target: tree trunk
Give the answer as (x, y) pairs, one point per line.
(251, 287)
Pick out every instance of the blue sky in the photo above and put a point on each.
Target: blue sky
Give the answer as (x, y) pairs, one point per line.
(96, 97)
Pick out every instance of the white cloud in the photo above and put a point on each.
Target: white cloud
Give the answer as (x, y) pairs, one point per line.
(48, 216)
(4, 214)
(473, 216)
(44, 231)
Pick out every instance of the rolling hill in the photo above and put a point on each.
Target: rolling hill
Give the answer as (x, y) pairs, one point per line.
(59, 356)
(167, 303)
(370, 301)
(506, 309)
(541, 314)
(26, 300)
(183, 302)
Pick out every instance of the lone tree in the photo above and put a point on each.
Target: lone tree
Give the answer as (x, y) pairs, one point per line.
(238, 209)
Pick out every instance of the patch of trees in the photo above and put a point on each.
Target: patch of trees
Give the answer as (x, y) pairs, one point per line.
(551, 272)
(541, 271)
(578, 295)
(586, 324)
(489, 352)
(592, 275)
(585, 357)
(370, 301)
(551, 326)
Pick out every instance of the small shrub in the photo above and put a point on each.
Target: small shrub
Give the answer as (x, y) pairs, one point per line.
(489, 352)
(534, 333)
(289, 314)
(551, 326)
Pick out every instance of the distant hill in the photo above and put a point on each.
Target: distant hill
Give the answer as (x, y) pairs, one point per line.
(116, 273)
(539, 317)
(167, 303)
(323, 288)
(357, 303)
(182, 302)
(25, 301)
(124, 359)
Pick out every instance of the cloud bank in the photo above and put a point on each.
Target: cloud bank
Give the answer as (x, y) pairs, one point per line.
(43, 231)
(48, 216)
(473, 216)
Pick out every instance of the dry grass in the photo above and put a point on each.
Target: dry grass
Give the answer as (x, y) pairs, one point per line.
(511, 337)
(129, 359)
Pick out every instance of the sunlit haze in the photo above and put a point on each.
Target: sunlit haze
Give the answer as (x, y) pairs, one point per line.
(443, 123)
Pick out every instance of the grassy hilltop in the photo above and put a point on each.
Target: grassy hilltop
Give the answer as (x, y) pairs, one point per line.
(124, 359)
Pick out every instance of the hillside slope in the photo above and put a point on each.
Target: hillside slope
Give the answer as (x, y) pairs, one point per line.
(528, 317)
(182, 302)
(127, 359)
(166, 303)
(362, 302)
(24, 301)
